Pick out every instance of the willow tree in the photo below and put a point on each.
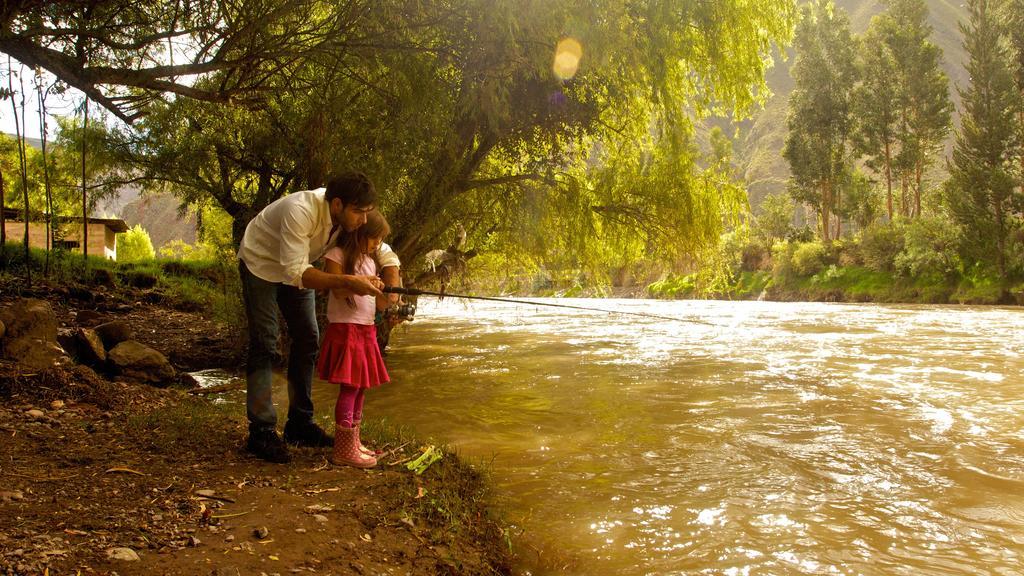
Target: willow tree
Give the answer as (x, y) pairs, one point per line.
(126, 55)
(459, 116)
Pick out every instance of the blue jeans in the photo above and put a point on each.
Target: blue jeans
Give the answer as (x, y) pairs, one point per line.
(263, 300)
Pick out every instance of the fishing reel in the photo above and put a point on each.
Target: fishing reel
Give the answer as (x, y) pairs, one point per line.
(402, 311)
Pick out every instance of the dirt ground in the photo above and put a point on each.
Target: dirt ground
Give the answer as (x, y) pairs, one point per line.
(107, 477)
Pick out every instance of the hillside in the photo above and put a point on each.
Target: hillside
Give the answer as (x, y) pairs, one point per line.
(157, 213)
(760, 142)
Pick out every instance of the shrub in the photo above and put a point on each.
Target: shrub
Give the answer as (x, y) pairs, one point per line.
(135, 245)
(809, 258)
(782, 259)
(930, 248)
(879, 246)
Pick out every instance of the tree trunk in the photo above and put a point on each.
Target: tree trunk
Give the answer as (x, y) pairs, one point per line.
(823, 218)
(918, 178)
(46, 177)
(905, 195)
(85, 190)
(888, 178)
(839, 218)
(3, 223)
(23, 163)
(1000, 243)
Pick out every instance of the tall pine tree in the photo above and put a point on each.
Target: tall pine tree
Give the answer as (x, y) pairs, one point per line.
(1015, 26)
(980, 192)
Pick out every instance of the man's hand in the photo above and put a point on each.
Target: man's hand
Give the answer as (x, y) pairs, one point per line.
(363, 285)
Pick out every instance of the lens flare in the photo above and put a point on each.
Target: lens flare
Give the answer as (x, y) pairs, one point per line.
(567, 58)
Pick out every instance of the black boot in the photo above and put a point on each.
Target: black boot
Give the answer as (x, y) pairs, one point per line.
(306, 434)
(267, 445)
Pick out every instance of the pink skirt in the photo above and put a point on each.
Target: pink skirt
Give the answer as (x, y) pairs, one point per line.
(349, 355)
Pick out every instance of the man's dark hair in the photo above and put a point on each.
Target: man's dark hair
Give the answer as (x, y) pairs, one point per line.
(352, 188)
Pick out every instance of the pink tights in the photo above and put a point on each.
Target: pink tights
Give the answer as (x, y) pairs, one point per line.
(350, 405)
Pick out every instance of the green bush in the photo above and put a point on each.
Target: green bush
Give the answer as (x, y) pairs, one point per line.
(879, 246)
(135, 245)
(930, 249)
(809, 258)
(782, 260)
(674, 287)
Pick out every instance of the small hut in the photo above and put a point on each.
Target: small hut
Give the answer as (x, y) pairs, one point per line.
(67, 232)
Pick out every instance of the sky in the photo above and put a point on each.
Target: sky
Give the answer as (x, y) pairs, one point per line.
(56, 104)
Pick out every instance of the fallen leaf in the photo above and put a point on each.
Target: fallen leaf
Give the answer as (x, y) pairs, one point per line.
(366, 538)
(273, 557)
(419, 492)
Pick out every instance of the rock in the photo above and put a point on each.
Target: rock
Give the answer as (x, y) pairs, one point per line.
(30, 317)
(81, 294)
(114, 333)
(88, 317)
(261, 533)
(320, 518)
(206, 493)
(35, 414)
(126, 554)
(68, 341)
(141, 363)
(31, 334)
(90, 346)
(193, 541)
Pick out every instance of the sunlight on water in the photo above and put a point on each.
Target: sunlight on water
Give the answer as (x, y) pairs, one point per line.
(746, 438)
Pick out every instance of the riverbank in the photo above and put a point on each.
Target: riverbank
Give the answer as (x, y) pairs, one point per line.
(103, 476)
(843, 284)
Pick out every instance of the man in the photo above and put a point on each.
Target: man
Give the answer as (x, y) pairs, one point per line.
(275, 265)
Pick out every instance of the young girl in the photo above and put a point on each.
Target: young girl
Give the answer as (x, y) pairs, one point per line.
(349, 355)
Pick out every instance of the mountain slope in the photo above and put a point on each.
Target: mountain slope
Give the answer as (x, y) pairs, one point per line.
(761, 139)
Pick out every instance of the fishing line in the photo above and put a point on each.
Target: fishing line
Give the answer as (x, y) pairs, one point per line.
(418, 292)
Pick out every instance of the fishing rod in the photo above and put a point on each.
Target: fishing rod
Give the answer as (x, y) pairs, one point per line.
(418, 292)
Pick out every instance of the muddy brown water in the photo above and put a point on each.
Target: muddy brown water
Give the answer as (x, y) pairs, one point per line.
(773, 438)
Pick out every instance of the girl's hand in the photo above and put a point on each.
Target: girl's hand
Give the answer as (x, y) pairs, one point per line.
(365, 285)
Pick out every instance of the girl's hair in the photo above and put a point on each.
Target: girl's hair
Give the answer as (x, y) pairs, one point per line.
(351, 243)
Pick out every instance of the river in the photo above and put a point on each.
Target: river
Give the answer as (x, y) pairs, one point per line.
(745, 438)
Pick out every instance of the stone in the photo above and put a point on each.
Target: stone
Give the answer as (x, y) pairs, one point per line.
(141, 363)
(320, 518)
(35, 414)
(31, 334)
(89, 317)
(30, 317)
(125, 554)
(91, 349)
(261, 533)
(114, 333)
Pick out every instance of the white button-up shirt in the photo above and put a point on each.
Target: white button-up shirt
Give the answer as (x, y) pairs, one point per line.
(291, 233)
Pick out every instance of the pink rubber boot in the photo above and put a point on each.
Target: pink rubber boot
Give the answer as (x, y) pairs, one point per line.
(346, 449)
(362, 447)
